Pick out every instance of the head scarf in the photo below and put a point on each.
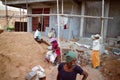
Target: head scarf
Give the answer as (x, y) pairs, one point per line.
(69, 56)
(53, 39)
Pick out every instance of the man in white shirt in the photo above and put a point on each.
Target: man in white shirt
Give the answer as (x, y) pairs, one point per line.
(38, 35)
(96, 51)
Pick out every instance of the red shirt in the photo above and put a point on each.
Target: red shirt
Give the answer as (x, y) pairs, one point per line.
(55, 46)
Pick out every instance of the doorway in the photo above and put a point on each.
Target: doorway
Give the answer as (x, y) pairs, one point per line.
(41, 21)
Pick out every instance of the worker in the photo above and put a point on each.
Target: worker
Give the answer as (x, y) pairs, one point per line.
(68, 70)
(56, 49)
(50, 57)
(52, 33)
(37, 72)
(96, 51)
(41, 73)
(38, 35)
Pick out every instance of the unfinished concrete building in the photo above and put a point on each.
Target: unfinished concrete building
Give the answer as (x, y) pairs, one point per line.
(77, 18)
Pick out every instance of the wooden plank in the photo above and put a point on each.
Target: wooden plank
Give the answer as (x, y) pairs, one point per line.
(12, 2)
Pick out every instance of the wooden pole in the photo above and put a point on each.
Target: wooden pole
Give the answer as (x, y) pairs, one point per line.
(23, 21)
(58, 21)
(106, 21)
(58, 25)
(6, 9)
(20, 28)
(42, 20)
(62, 6)
(82, 19)
(27, 17)
(102, 26)
(62, 20)
(70, 24)
(65, 15)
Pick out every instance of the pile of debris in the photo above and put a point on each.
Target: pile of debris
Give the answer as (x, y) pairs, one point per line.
(83, 51)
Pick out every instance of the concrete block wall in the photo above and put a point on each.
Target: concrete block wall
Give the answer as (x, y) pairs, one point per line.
(114, 25)
(73, 22)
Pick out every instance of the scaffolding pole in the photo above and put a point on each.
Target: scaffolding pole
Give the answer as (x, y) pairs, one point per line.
(20, 21)
(106, 21)
(27, 13)
(65, 15)
(7, 23)
(42, 20)
(62, 18)
(102, 26)
(23, 21)
(62, 6)
(82, 19)
(58, 25)
(70, 25)
(58, 20)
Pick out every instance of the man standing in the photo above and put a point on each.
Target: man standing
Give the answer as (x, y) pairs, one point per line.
(96, 51)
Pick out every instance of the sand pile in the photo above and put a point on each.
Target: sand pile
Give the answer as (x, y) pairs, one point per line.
(19, 52)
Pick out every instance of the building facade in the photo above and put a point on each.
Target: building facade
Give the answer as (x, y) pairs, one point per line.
(75, 26)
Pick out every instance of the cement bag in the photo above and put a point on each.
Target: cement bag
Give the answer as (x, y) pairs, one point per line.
(30, 75)
(39, 70)
(51, 56)
(49, 47)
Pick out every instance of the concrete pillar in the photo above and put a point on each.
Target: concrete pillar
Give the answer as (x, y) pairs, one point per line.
(82, 19)
(106, 20)
(29, 20)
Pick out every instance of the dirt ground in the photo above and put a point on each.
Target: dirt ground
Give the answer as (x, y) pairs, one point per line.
(110, 66)
(19, 52)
